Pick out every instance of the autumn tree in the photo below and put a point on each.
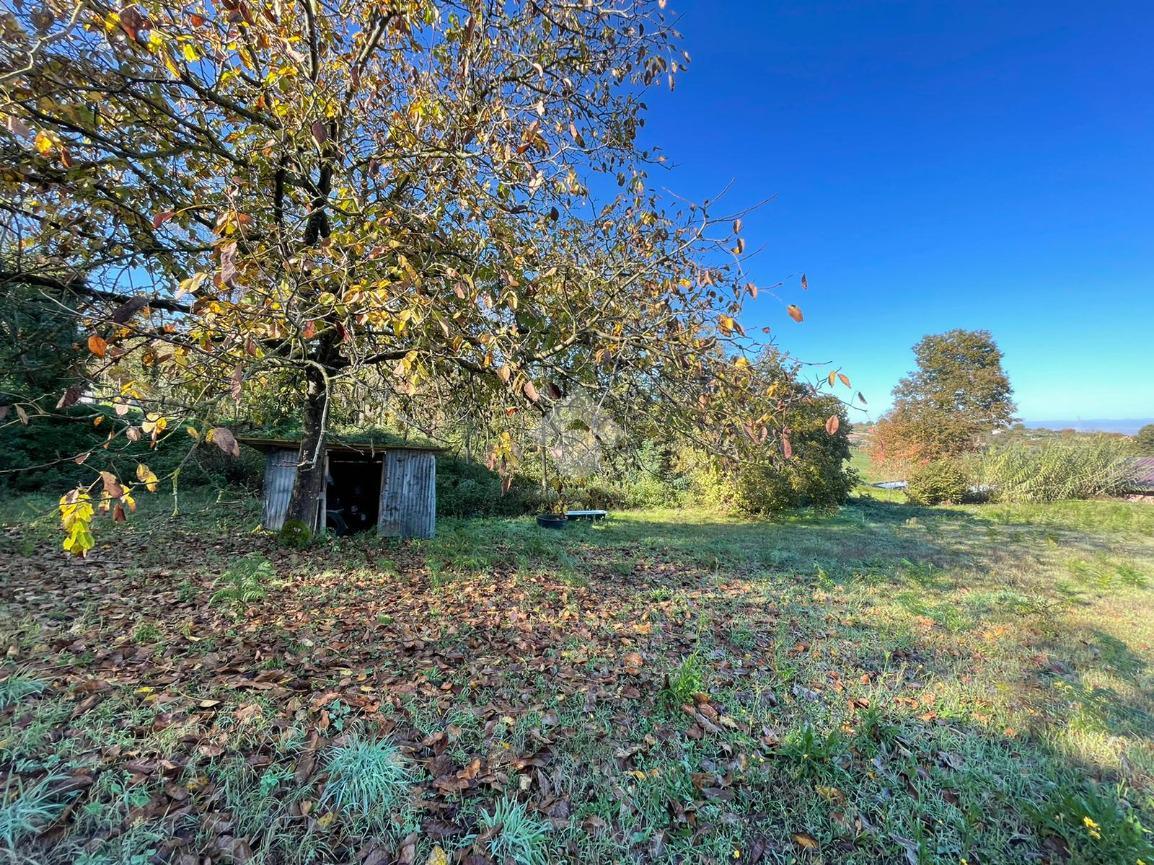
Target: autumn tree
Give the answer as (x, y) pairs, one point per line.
(958, 393)
(354, 201)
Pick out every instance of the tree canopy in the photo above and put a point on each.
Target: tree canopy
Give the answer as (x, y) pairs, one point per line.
(348, 202)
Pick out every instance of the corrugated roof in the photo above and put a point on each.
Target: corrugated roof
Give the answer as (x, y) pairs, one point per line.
(1144, 473)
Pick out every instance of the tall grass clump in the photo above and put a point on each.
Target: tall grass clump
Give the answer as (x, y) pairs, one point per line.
(1076, 468)
(25, 811)
(514, 836)
(368, 781)
(19, 685)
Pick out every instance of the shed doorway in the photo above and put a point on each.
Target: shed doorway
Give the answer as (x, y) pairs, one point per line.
(352, 494)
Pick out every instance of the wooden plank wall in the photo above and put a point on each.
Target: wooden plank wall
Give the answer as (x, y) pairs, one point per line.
(408, 495)
(280, 473)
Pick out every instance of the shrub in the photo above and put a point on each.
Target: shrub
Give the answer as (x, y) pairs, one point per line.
(368, 780)
(1079, 467)
(1145, 440)
(244, 581)
(816, 475)
(469, 489)
(42, 454)
(514, 835)
(295, 534)
(938, 482)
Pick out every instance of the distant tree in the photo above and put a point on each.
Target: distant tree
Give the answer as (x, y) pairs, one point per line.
(1145, 439)
(958, 393)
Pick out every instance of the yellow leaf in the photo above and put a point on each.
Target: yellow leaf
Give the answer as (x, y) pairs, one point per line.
(326, 820)
(44, 143)
(146, 476)
(437, 856)
(189, 53)
(805, 840)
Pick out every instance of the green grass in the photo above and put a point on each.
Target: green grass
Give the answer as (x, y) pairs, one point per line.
(897, 683)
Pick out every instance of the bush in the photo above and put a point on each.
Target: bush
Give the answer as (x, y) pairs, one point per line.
(469, 489)
(1080, 467)
(938, 482)
(295, 534)
(817, 475)
(1145, 440)
(41, 455)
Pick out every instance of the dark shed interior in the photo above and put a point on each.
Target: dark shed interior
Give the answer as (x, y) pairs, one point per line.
(353, 494)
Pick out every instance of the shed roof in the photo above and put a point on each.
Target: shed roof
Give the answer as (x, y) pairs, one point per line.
(358, 447)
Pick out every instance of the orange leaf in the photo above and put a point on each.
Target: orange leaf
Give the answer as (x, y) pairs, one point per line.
(162, 218)
(97, 345)
(844, 379)
(832, 423)
(794, 312)
(223, 438)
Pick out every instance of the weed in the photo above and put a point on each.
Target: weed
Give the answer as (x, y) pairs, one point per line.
(368, 780)
(146, 633)
(513, 835)
(683, 681)
(1098, 828)
(339, 712)
(812, 754)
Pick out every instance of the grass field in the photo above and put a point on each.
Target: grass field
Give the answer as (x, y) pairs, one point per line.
(890, 684)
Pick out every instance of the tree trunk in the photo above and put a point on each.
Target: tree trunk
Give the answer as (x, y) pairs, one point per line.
(310, 483)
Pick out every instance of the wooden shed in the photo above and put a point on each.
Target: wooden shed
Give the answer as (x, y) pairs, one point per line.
(392, 487)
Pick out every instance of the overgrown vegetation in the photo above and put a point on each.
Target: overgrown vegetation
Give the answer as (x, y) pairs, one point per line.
(1077, 467)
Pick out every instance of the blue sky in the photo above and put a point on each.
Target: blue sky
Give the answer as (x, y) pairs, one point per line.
(936, 164)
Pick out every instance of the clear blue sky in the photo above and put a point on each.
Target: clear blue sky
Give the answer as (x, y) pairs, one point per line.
(936, 164)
